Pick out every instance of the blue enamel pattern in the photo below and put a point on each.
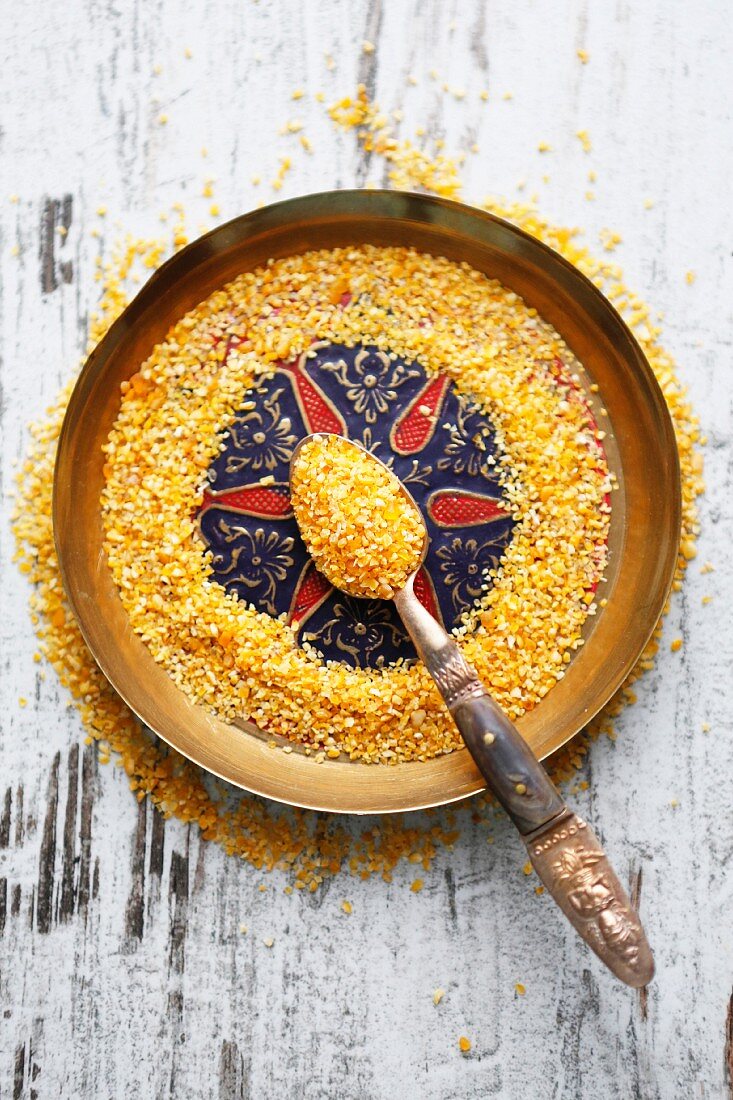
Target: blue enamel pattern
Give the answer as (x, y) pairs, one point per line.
(257, 552)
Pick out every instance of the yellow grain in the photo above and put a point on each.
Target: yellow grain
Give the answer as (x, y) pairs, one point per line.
(357, 524)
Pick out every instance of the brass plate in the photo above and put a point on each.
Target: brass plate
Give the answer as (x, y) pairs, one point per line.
(641, 449)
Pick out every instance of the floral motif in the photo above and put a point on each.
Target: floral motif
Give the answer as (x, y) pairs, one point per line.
(258, 561)
(264, 437)
(415, 474)
(409, 471)
(372, 381)
(359, 627)
(257, 553)
(469, 447)
(593, 898)
(464, 565)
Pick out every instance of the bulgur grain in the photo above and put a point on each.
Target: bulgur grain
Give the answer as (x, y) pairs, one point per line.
(361, 530)
(454, 321)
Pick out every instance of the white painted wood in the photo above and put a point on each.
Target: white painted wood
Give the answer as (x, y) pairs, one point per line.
(341, 1006)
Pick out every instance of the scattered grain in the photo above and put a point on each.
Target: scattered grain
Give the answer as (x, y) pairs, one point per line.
(583, 138)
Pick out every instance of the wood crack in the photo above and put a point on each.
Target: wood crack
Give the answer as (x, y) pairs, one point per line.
(367, 75)
(47, 857)
(68, 872)
(728, 1047)
(56, 215)
(635, 898)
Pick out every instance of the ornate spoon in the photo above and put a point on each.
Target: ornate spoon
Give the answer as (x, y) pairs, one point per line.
(563, 849)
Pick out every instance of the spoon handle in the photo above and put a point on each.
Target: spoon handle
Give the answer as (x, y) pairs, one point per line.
(562, 848)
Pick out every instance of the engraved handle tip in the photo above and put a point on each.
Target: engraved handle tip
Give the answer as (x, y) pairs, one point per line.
(575, 870)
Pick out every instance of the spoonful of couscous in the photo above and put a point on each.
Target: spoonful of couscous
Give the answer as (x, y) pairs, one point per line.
(367, 536)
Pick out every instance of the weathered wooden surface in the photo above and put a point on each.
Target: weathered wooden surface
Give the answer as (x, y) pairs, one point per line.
(122, 968)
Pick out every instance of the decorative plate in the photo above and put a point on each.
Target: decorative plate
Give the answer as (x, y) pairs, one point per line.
(252, 536)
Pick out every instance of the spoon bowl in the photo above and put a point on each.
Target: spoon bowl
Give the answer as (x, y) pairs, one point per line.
(295, 458)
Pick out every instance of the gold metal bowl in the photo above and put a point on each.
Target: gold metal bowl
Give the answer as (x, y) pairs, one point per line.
(640, 444)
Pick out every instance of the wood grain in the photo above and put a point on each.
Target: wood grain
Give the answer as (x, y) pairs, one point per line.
(123, 970)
